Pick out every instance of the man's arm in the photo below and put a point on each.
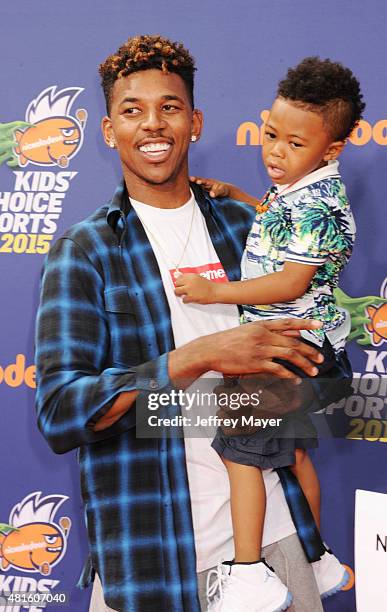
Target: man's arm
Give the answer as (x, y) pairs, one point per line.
(81, 401)
(75, 385)
(248, 349)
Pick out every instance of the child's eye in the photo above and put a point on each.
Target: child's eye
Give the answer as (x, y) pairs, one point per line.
(269, 135)
(296, 145)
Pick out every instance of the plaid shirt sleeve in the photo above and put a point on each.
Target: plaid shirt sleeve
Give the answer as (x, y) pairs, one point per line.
(74, 386)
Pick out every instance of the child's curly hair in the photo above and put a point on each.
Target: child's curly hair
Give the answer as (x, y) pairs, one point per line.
(144, 53)
(328, 88)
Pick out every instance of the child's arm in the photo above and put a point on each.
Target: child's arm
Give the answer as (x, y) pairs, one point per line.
(285, 286)
(219, 189)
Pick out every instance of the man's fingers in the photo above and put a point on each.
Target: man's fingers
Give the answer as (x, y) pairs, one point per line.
(276, 369)
(281, 325)
(298, 346)
(294, 333)
(295, 344)
(291, 355)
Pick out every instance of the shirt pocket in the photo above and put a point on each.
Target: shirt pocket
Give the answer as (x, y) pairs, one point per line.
(117, 301)
(123, 328)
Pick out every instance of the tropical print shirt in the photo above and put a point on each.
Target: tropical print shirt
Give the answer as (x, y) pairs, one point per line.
(309, 223)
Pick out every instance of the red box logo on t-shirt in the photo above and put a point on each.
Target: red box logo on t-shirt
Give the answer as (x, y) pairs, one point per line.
(213, 272)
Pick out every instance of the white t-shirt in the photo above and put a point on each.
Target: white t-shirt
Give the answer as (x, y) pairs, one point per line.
(168, 231)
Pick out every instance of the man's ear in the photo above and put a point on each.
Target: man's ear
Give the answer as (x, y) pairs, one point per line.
(107, 130)
(197, 123)
(334, 150)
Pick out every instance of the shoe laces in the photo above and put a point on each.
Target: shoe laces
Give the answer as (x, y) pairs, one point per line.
(216, 582)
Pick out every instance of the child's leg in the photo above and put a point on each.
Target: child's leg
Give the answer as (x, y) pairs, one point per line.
(306, 475)
(248, 507)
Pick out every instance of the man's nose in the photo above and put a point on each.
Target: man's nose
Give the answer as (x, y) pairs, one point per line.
(153, 120)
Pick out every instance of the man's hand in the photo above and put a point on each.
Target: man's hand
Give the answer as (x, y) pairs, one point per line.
(246, 349)
(193, 288)
(251, 348)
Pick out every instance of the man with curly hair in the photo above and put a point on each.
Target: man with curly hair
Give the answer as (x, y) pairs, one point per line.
(111, 331)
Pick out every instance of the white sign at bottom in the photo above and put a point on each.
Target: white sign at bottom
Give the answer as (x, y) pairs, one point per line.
(371, 551)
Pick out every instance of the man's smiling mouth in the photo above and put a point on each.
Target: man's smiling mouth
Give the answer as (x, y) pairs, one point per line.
(155, 147)
(156, 151)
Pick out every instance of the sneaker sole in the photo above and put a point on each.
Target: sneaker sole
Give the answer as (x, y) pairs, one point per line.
(286, 604)
(338, 587)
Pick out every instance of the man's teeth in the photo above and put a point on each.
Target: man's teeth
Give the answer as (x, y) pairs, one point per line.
(155, 147)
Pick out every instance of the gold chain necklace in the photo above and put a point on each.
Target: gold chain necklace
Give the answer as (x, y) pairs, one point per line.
(176, 265)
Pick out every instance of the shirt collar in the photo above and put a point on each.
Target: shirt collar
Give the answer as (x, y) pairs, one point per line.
(328, 171)
(120, 204)
(186, 204)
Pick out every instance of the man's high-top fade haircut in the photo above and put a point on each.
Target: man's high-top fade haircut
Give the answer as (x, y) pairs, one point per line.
(145, 53)
(328, 88)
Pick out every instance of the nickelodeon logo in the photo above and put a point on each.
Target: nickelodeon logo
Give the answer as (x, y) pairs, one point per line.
(16, 374)
(50, 135)
(250, 133)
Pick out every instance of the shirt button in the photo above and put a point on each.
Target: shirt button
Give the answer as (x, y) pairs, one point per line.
(153, 384)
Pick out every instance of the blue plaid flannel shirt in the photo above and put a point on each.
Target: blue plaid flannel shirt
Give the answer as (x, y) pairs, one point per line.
(104, 327)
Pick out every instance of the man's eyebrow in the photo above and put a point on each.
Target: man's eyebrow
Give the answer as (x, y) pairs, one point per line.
(128, 99)
(166, 97)
(174, 97)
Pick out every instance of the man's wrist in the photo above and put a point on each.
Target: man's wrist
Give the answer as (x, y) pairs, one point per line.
(190, 361)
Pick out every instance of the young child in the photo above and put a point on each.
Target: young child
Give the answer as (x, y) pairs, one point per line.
(301, 239)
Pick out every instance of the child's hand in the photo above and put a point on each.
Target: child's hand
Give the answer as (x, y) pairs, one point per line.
(217, 189)
(195, 289)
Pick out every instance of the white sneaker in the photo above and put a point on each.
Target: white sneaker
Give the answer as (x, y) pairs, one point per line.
(330, 575)
(246, 588)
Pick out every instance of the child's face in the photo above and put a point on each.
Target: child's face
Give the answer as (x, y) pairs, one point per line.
(295, 142)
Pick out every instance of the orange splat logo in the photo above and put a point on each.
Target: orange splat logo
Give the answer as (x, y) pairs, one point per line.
(50, 135)
(32, 542)
(378, 323)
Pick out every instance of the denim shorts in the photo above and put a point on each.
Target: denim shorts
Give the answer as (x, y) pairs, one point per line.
(275, 447)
